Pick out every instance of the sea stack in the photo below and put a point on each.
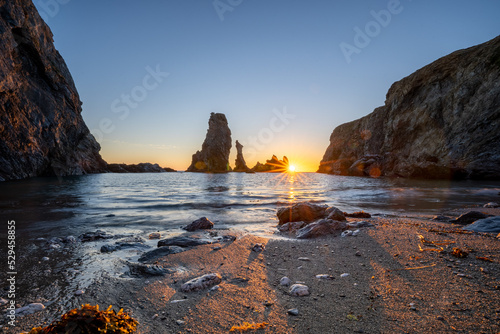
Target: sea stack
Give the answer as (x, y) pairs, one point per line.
(240, 164)
(41, 128)
(443, 121)
(214, 154)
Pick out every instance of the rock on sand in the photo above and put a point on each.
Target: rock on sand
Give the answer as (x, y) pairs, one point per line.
(202, 282)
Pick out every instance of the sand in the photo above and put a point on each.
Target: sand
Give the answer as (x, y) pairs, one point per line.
(393, 286)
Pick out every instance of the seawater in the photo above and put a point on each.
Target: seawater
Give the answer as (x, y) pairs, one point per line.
(128, 203)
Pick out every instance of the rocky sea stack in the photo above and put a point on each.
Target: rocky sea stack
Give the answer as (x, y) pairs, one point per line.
(214, 154)
(240, 165)
(41, 127)
(443, 121)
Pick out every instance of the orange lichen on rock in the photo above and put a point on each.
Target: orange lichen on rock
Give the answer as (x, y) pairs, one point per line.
(248, 326)
(88, 320)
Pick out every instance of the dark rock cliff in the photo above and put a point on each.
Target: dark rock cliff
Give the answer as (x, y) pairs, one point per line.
(443, 121)
(139, 168)
(214, 154)
(41, 129)
(239, 164)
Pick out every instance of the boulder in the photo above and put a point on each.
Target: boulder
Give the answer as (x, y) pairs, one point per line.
(335, 214)
(489, 225)
(41, 125)
(202, 282)
(303, 211)
(321, 228)
(469, 217)
(199, 224)
(439, 122)
(214, 154)
(182, 242)
(299, 290)
(240, 165)
(491, 205)
(291, 226)
(29, 309)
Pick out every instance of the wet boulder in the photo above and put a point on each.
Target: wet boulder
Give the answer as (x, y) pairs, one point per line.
(303, 211)
(199, 224)
(469, 217)
(202, 282)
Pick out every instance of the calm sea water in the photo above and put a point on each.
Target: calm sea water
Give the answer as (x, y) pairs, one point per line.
(124, 203)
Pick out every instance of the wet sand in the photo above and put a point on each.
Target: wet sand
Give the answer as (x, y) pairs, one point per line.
(393, 286)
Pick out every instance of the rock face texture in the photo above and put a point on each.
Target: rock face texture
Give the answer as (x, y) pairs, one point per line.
(214, 154)
(240, 165)
(443, 121)
(41, 129)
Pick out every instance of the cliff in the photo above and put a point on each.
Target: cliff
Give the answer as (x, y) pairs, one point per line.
(41, 128)
(214, 154)
(443, 121)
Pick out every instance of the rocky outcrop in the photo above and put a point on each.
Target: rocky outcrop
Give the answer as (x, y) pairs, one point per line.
(272, 165)
(214, 154)
(240, 165)
(443, 121)
(139, 168)
(41, 128)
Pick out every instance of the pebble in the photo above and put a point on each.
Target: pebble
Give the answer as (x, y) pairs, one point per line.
(285, 281)
(293, 311)
(344, 275)
(304, 259)
(45, 258)
(154, 235)
(258, 248)
(155, 316)
(216, 248)
(79, 292)
(299, 290)
(215, 288)
(180, 322)
(324, 276)
(358, 253)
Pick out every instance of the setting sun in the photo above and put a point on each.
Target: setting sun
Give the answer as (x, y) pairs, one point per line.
(291, 168)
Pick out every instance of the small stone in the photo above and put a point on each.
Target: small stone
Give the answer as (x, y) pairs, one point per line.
(45, 258)
(285, 281)
(29, 309)
(154, 235)
(216, 248)
(358, 253)
(201, 282)
(299, 290)
(200, 224)
(215, 288)
(344, 275)
(293, 311)
(258, 248)
(180, 322)
(491, 205)
(304, 259)
(324, 276)
(79, 292)
(154, 316)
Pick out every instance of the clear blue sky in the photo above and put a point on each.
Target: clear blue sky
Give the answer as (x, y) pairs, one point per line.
(249, 59)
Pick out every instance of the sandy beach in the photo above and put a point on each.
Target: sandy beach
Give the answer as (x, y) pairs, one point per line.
(402, 278)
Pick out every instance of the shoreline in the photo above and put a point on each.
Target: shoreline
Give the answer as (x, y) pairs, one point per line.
(392, 286)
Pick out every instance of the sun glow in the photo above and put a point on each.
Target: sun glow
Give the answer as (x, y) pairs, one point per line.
(291, 168)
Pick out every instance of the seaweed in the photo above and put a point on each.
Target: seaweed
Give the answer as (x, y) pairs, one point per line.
(89, 320)
(248, 326)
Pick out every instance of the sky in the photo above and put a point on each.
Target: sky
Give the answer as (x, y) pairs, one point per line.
(284, 72)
